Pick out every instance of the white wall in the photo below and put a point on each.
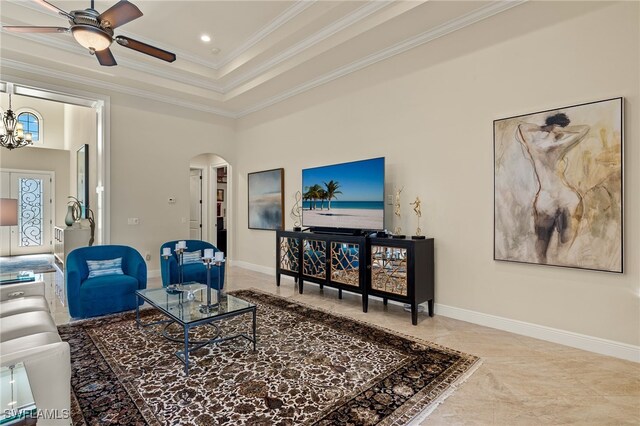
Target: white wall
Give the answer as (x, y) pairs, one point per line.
(430, 112)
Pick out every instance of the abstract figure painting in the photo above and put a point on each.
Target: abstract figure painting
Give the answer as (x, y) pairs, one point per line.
(558, 187)
(266, 201)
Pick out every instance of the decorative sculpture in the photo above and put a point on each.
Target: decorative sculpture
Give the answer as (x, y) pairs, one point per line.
(418, 210)
(397, 232)
(296, 211)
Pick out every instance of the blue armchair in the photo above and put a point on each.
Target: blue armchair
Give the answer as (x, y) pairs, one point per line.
(191, 271)
(90, 297)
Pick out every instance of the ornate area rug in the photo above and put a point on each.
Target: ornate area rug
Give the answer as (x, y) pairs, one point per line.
(311, 367)
(37, 263)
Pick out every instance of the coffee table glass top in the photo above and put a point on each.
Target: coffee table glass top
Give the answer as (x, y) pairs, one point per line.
(15, 397)
(179, 306)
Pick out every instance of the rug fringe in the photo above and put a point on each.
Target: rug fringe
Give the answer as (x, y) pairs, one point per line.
(422, 415)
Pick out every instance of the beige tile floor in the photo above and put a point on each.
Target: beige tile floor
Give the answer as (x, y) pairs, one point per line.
(522, 381)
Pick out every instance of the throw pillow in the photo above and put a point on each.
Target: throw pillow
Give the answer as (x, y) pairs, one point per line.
(191, 257)
(100, 268)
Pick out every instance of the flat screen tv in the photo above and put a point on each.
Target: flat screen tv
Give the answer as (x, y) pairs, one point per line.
(347, 196)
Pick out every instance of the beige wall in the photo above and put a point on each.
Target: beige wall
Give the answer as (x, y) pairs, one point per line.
(152, 145)
(43, 160)
(52, 116)
(430, 112)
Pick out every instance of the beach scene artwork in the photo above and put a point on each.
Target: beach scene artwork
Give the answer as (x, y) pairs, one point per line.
(558, 187)
(266, 203)
(348, 195)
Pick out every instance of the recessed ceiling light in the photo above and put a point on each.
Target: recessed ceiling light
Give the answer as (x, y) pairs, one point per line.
(206, 38)
(215, 50)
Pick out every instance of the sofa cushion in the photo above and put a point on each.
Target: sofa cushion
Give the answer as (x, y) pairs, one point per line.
(26, 323)
(28, 342)
(99, 268)
(113, 286)
(23, 304)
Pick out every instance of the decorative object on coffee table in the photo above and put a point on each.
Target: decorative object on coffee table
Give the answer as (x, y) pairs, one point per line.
(266, 199)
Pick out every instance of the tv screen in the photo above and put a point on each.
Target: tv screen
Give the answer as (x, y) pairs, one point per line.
(346, 196)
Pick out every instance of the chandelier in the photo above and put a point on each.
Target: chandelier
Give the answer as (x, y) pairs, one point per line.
(12, 134)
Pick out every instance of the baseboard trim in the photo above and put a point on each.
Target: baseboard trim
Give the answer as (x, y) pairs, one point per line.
(253, 267)
(153, 273)
(562, 337)
(554, 335)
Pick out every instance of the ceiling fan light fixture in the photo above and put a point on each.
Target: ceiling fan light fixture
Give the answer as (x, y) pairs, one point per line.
(91, 38)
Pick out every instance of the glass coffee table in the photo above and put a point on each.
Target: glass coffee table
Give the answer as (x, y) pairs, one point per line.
(184, 308)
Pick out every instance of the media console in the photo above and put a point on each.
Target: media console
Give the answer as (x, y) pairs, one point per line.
(393, 269)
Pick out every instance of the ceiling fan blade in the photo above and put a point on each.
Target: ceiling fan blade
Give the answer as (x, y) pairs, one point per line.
(105, 57)
(53, 8)
(119, 14)
(146, 48)
(33, 29)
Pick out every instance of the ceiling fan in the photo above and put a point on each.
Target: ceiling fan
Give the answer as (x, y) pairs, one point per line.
(94, 30)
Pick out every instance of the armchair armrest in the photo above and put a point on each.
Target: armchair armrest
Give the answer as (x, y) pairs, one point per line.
(73, 280)
(11, 291)
(137, 268)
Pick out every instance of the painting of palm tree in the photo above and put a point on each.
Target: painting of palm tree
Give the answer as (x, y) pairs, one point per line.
(348, 195)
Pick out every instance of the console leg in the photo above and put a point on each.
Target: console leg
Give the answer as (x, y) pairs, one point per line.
(384, 301)
(339, 293)
(430, 304)
(414, 314)
(277, 279)
(300, 285)
(365, 304)
(295, 280)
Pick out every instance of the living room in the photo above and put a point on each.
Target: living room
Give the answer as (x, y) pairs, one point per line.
(428, 108)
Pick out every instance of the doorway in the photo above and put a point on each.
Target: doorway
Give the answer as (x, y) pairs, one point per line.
(33, 233)
(195, 219)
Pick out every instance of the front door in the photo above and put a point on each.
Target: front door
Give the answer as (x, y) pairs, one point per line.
(195, 221)
(33, 233)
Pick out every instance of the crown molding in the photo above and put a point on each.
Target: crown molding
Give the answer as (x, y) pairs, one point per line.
(71, 46)
(346, 21)
(72, 78)
(291, 12)
(401, 47)
(294, 10)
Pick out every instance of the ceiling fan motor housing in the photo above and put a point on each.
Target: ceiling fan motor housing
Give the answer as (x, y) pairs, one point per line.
(89, 31)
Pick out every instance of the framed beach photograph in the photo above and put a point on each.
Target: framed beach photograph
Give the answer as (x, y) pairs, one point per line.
(266, 199)
(220, 194)
(558, 196)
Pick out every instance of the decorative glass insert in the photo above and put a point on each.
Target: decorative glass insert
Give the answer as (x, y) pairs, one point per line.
(289, 254)
(389, 269)
(344, 263)
(314, 259)
(30, 220)
(30, 124)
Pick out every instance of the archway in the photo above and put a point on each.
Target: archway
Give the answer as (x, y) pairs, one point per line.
(211, 200)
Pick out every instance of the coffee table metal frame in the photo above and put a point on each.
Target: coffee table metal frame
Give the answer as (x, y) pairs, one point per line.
(183, 355)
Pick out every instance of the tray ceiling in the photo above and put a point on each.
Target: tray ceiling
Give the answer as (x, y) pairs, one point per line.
(261, 52)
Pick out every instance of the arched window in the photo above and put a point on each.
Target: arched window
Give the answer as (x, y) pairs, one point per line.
(31, 123)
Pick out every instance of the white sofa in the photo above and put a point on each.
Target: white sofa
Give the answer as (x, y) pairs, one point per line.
(29, 335)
